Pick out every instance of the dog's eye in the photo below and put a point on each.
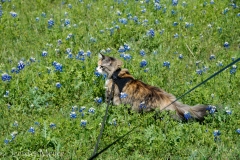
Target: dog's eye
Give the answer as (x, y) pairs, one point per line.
(101, 67)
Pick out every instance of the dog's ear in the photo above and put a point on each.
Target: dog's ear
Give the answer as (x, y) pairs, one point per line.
(101, 56)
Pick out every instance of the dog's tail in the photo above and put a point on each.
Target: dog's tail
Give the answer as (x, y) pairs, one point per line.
(185, 112)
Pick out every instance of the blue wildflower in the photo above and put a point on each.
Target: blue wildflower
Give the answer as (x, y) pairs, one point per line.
(226, 45)
(123, 20)
(58, 67)
(233, 69)
(162, 31)
(37, 19)
(98, 100)
(52, 125)
(21, 65)
(6, 77)
(73, 115)
(32, 59)
(50, 23)
(142, 52)
(184, 4)
(174, 12)
(174, 2)
(143, 63)
(143, 10)
(92, 39)
(43, 14)
(229, 112)
(121, 49)
(6, 94)
(199, 71)
(180, 56)
(146, 70)
(238, 130)
(82, 109)
(58, 85)
(211, 109)
(13, 14)
(157, 6)
(126, 56)
(123, 95)
(31, 130)
(151, 33)
(96, 73)
(175, 23)
(225, 11)
(70, 35)
(91, 110)
(6, 141)
(211, 1)
(114, 122)
(135, 19)
(212, 57)
(238, 14)
(15, 123)
(216, 133)
(126, 47)
(142, 105)
(187, 115)
(175, 35)
(83, 123)
(67, 22)
(44, 53)
(70, 6)
(166, 64)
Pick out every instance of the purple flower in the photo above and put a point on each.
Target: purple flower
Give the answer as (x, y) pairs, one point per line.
(31, 130)
(83, 123)
(98, 100)
(91, 110)
(226, 45)
(21, 65)
(143, 63)
(187, 115)
(151, 33)
(216, 133)
(6, 77)
(73, 115)
(50, 23)
(211, 109)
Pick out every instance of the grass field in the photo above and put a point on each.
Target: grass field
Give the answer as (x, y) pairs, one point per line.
(52, 99)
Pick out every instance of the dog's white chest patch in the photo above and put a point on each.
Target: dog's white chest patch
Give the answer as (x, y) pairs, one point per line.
(106, 83)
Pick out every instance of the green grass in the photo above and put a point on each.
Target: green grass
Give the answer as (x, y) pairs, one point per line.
(35, 101)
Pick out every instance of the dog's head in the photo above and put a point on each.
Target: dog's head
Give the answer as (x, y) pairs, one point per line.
(107, 65)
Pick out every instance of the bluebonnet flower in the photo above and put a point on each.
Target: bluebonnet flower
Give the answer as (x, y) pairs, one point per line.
(211, 1)
(175, 23)
(96, 73)
(14, 134)
(174, 2)
(166, 64)
(174, 12)
(199, 71)
(126, 56)
(187, 115)
(31, 130)
(126, 47)
(81, 53)
(157, 6)
(21, 65)
(70, 55)
(143, 10)
(70, 35)
(145, 22)
(98, 100)
(238, 130)
(216, 133)
(143, 63)
(13, 14)
(151, 33)
(233, 58)
(67, 22)
(91, 110)
(180, 56)
(82, 109)
(50, 23)
(164, 10)
(156, 21)
(162, 31)
(117, 27)
(123, 20)
(73, 115)
(184, 4)
(83, 123)
(32, 59)
(70, 6)
(219, 30)
(92, 39)
(6, 141)
(15, 123)
(6, 94)
(68, 50)
(228, 111)
(58, 67)
(175, 35)
(238, 14)
(146, 70)
(204, 4)
(37, 123)
(121, 49)
(58, 85)
(43, 14)
(13, 70)
(135, 19)
(212, 56)
(142, 52)
(225, 11)
(6, 77)
(44, 53)
(74, 108)
(123, 95)
(52, 125)
(219, 64)
(142, 105)
(37, 19)
(108, 50)
(119, 13)
(88, 53)
(233, 69)
(211, 109)
(226, 45)
(187, 24)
